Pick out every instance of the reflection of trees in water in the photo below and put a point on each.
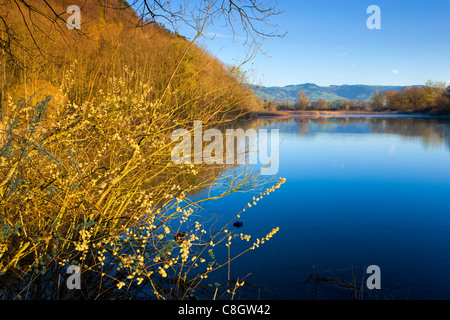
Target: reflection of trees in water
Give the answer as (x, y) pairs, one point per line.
(430, 131)
(425, 129)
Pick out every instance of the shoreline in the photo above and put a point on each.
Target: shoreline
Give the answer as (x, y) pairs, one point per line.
(293, 113)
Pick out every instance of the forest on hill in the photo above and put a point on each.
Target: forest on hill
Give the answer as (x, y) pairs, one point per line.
(113, 48)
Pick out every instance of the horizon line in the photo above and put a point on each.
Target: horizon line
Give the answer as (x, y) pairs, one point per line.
(340, 85)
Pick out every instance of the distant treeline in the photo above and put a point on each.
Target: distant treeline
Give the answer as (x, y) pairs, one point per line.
(433, 97)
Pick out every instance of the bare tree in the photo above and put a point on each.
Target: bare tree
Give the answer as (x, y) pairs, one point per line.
(303, 101)
(250, 19)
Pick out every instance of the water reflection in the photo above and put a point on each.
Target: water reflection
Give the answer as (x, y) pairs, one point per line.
(431, 131)
(360, 190)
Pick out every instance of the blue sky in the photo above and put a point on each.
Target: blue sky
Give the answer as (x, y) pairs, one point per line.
(329, 43)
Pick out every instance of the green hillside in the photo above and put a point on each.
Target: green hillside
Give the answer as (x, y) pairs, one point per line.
(350, 92)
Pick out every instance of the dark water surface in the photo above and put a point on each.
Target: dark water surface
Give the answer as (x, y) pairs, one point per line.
(360, 191)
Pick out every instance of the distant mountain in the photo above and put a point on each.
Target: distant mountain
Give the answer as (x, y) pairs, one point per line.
(290, 93)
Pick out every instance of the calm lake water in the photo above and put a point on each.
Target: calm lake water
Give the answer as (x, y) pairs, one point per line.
(360, 191)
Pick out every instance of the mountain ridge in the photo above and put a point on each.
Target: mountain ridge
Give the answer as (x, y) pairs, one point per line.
(289, 93)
